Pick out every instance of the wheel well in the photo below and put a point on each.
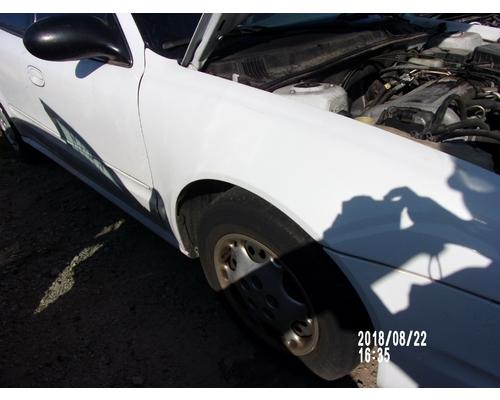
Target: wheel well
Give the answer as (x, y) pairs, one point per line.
(191, 203)
(197, 197)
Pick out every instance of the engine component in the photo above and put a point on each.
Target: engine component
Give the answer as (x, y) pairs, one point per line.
(325, 96)
(453, 55)
(366, 120)
(415, 111)
(461, 150)
(488, 54)
(467, 41)
(456, 48)
(427, 62)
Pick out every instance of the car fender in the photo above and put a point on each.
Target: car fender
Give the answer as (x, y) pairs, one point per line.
(354, 188)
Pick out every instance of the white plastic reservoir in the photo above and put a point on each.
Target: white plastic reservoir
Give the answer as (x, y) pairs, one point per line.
(324, 96)
(466, 41)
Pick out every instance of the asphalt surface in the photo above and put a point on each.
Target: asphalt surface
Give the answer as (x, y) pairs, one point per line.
(90, 297)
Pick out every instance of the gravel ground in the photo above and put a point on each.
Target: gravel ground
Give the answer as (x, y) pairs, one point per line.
(89, 297)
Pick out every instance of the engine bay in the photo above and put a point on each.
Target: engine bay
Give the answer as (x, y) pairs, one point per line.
(441, 90)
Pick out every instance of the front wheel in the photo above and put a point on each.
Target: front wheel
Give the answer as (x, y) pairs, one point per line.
(280, 283)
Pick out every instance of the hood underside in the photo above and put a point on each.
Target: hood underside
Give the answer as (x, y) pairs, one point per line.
(210, 28)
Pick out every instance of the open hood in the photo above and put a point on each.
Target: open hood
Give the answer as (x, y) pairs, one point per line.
(210, 28)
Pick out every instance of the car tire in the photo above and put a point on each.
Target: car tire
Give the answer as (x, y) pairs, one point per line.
(13, 138)
(291, 292)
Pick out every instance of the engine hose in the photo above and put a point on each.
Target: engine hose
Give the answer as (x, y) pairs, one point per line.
(405, 67)
(479, 133)
(474, 139)
(358, 75)
(486, 103)
(385, 95)
(438, 117)
(465, 124)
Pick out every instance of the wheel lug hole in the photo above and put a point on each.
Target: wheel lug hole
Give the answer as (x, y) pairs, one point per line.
(251, 303)
(262, 254)
(268, 314)
(271, 301)
(256, 282)
(233, 263)
(299, 328)
(244, 284)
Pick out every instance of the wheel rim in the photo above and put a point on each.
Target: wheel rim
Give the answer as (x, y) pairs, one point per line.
(265, 293)
(8, 131)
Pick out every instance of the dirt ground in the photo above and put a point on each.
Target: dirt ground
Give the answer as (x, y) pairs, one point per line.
(89, 297)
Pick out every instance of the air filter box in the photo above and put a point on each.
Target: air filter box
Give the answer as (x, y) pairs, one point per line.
(487, 56)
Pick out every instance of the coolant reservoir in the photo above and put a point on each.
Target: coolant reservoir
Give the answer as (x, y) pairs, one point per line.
(325, 96)
(465, 41)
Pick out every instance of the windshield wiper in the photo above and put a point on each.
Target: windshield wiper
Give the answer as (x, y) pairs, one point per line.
(248, 29)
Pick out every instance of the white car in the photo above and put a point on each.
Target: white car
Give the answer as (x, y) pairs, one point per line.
(336, 174)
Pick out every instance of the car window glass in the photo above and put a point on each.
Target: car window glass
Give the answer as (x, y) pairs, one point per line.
(16, 23)
(167, 34)
(104, 17)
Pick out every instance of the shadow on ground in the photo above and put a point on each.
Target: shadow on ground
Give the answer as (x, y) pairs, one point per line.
(89, 297)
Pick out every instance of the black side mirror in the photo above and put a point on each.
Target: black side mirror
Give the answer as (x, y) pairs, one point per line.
(76, 37)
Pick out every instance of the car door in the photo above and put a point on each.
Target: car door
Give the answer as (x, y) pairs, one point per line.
(89, 115)
(13, 82)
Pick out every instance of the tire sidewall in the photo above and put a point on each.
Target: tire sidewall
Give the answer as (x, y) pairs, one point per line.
(335, 353)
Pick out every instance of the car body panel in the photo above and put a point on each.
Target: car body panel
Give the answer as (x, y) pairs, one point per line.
(398, 217)
(430, 213)
(13, 82)
(73, 105)
(461, 329)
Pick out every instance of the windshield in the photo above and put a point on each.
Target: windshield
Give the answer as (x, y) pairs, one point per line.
(167, 34)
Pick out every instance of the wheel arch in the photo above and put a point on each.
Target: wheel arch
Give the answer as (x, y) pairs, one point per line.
(190, 204)
(197, 196)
